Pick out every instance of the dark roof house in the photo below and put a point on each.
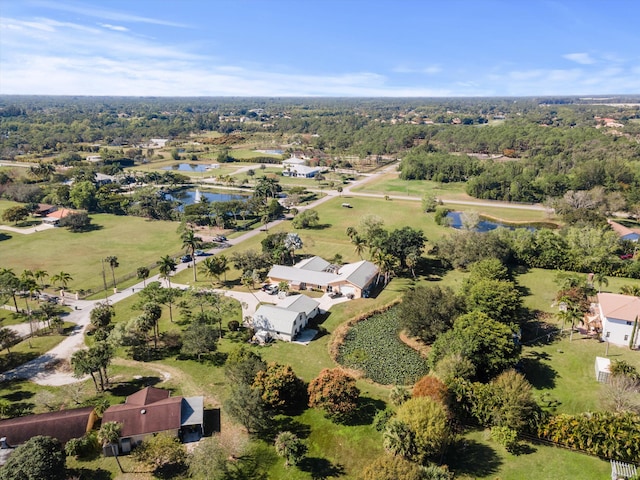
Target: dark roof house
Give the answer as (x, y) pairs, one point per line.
(152, 410)
(63, 425)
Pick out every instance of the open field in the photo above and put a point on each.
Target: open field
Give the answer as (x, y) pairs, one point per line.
(135, 241)
(390, 184)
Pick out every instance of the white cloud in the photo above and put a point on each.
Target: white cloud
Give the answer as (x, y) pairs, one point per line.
(116, 28)
(428, 70)
(92, 11)
(581, 58)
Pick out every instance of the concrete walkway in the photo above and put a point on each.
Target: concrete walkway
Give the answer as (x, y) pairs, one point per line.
(29, 230)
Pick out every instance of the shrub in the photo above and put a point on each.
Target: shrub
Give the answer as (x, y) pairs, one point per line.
(290, 447)
(428, 422)
(39, 458)
(334, 392)
(381, 419)
(605, 434)
(505, 436)
(233, 325)
(429, 386)
(399, 395)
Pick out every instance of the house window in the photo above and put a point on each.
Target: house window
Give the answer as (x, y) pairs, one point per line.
(626, 337)
(608, 334)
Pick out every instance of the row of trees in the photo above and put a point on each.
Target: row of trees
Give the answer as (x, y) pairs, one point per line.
(581, 249)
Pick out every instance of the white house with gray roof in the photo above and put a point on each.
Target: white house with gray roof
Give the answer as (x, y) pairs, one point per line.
(352, 279)
(287, 319)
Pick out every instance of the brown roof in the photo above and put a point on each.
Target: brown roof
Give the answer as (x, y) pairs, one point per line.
(150, 410)
(63, 425)
(63, 212)
(621, 307)
(147, 395)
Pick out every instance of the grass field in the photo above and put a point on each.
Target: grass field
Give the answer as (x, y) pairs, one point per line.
(390, 184)
(135, 241)
(480, 457)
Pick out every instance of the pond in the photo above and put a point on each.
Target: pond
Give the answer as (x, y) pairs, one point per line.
(189, 197)
(271, 152)
(455, 220)
(188, 167)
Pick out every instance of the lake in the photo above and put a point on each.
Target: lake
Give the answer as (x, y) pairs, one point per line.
(188, 197)
(455, 221)
(188, 167)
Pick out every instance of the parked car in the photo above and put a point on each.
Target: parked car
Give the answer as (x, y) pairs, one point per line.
(626, 256)
(199, 253)
(186, 258)
(271, 289)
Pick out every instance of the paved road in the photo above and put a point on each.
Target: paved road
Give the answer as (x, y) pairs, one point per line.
(27, 231)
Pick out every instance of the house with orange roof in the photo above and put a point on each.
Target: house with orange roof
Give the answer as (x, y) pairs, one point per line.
(54, 218)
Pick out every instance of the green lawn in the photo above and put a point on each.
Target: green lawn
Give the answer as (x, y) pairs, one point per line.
(477, 456)
(391, 184)
(562, 372)
(135, 241)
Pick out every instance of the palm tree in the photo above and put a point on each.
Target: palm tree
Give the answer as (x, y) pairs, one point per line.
(412, 263)
(600, 278)
(62, 278)
(9, 284)
(191, 243)
(113, 263)
(633, 290)
(212, 267)
(109, 435)
(40, 275)
(143, 273)
(398, 439)
(359, 244)
(28, 284)
(166, 267)
(386, 263)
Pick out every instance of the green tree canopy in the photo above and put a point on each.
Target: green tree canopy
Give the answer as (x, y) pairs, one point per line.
(491, 346)
(39, 458)
(428, 422)
(426, 312)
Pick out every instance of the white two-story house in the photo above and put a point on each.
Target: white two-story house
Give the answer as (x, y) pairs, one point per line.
(618, 314)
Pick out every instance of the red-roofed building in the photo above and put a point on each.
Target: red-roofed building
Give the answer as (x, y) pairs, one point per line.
(152, 410)
(63, 425)
(54, 218)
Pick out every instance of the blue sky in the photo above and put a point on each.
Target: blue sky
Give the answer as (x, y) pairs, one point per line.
(319, 47)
